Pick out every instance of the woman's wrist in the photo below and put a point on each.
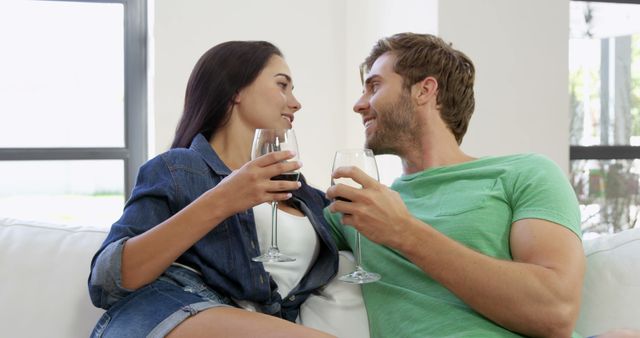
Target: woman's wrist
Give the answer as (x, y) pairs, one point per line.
(211, 208)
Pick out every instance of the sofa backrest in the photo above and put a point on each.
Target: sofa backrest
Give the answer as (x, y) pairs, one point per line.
(43, 279)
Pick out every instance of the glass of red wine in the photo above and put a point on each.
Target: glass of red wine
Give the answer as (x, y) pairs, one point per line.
(365, 160)
(264, 142)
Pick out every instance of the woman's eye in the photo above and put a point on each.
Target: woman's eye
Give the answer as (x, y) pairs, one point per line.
(283, 85)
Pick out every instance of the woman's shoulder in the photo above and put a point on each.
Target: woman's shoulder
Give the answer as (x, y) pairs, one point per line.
(179, 158)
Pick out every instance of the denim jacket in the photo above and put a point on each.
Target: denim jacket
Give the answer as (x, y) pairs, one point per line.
(174, 179)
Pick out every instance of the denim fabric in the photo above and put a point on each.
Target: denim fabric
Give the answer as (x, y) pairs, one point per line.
(168, 183)
(156, 309)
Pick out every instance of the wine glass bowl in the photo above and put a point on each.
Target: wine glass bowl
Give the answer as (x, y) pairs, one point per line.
(365, 161)
(264, 142)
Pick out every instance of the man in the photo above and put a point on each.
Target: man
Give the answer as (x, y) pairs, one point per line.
(466, 247)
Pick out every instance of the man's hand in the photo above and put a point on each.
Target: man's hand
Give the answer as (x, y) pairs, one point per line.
(376, 211)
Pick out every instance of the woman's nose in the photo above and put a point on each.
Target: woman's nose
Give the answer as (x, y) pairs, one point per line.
(294, 104)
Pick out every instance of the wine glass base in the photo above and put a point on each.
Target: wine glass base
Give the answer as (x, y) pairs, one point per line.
(360, 277)
(273, 257)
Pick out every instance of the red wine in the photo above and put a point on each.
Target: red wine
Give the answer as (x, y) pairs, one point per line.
(346, 181)
(286, 177)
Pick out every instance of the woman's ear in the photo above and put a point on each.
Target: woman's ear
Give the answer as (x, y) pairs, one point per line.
(236, 98)
(425, 90)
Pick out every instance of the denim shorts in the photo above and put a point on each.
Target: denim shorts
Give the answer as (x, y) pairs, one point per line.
(156, 309)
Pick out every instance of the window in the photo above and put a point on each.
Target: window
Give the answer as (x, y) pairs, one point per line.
(72, 108)
(604, 87)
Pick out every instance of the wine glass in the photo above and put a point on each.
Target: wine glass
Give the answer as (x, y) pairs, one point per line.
(264, 142)
(363, 159)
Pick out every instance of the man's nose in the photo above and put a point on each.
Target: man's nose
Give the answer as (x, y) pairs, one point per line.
(362, 105)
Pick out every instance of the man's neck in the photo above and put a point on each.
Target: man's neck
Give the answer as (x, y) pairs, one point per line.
(433, 156)
(436, 147)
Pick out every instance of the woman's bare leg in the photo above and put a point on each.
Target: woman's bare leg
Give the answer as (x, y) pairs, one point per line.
(233, 322)
(620, 333)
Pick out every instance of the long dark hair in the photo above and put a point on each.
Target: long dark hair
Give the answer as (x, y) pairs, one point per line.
(216, 79)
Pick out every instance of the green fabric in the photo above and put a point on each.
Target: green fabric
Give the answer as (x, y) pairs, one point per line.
(474, 203)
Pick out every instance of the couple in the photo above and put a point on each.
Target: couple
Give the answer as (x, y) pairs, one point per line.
(486, 247)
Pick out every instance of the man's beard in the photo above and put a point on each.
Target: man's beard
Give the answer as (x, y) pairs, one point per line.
(396, 127)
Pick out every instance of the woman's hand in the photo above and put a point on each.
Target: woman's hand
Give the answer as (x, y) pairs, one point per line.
(251, 184)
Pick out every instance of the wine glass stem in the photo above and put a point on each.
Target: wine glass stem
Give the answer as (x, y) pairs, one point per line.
(274, 224)
(358, 252)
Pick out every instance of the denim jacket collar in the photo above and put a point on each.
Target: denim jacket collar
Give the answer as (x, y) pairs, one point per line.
(201, 145)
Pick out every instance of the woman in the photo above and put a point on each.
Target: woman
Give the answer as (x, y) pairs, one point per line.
(178, 261)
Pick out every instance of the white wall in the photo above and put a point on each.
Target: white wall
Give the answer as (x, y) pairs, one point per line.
(368, 21)
(519, 48)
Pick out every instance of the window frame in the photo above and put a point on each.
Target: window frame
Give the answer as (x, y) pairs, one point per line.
(605, 152)
(135, 150)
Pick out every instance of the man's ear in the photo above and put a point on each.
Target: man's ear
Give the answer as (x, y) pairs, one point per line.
(425, 90)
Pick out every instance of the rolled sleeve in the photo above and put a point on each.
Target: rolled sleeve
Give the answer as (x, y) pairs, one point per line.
(150, 204)
(105, 283)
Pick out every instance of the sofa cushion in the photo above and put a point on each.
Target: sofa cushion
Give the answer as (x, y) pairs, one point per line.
(611, 292)
(43, 287)
(337, 308)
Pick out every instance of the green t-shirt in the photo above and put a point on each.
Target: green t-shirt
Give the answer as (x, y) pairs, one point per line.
(474, 203)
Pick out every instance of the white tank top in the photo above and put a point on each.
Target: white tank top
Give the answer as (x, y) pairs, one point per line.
(296, 238)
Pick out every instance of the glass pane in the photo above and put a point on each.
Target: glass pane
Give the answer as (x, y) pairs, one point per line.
(608, 194)
(62, 82)
(69, 192)
(604, 73)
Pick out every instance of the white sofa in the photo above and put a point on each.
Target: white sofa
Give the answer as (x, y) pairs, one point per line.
(44, 269)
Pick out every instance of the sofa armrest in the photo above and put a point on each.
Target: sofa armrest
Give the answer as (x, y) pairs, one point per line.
(44, 269)
(611, 292)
